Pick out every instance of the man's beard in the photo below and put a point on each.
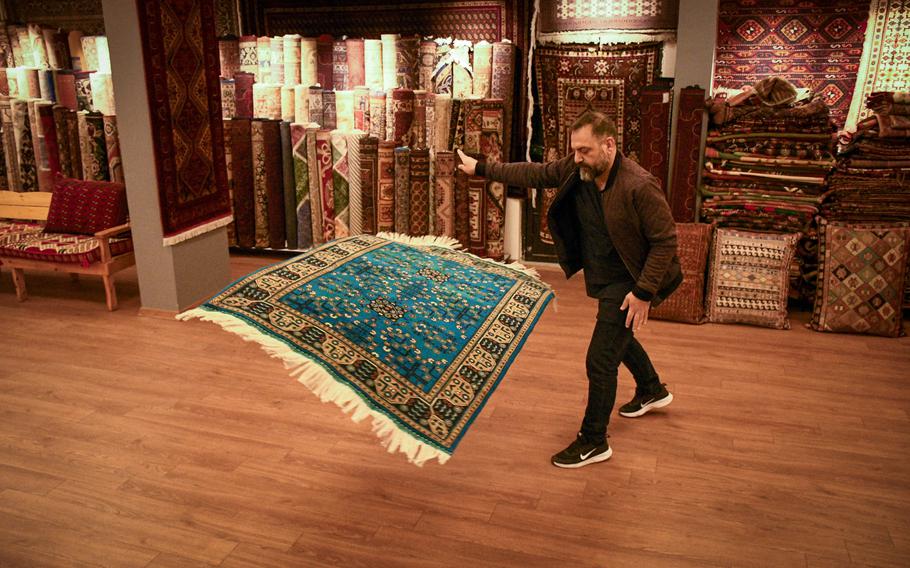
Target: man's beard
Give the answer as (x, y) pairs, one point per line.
(589, 173)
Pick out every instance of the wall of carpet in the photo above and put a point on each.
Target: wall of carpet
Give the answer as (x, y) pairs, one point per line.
(808, 138)
(611, 57)
(57, 111)
(330, 135)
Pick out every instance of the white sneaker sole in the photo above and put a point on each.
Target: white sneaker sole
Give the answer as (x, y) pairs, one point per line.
(649, 407)
(596, 459)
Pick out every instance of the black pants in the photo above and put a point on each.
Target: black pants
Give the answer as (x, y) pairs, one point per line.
(612, 343)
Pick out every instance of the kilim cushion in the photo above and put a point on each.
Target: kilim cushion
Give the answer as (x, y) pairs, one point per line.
(13, 230)
(57, 247)
(408, 332)
(687, 303)
(862, 271)
(84, 207)
(749, 278)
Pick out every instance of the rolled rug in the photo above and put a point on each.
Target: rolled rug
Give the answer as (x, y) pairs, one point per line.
(112, 144)
(419, 196)
(362, 108)
(344, 110)
(249, 60)
(355, 183)
(243, 94)
(426, 64)
(303, 203)
(329, 110)
(315, 105)
(264, 58)
(369, 178)
(356, 62)
(77, 58)
(403, 190)
(229, 56)
(301, 104)
(401, 115)
(326, 182)
(389, 61)
(228, 99)
(406, 57)
(103, 93)
(444, 194)
(385, 188)
(378, 115)
(288, 104)
(291, 49)
(340, 65)
(242, 151)
(462, 82)
(482, 65)
(276, 61)
(324, 62)
(267, 101)
(372, 63)
(308, 74)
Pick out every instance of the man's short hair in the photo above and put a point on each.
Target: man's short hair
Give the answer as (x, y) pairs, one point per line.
(601, 124)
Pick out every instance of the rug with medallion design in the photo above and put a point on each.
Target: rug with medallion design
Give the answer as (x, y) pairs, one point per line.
(408, 332)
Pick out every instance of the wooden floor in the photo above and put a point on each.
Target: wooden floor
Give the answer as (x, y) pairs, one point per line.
(142, 441)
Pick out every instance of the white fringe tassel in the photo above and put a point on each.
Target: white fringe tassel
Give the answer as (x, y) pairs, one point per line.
(315, 377)
(196, 231)
(450, 243)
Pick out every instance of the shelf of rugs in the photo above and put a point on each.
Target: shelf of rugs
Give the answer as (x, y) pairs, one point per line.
(57, 111)
(871, 184)
(356, 135)
(765, 169)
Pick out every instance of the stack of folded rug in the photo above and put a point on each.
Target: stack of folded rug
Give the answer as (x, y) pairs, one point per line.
(766, 162)
(872, 180)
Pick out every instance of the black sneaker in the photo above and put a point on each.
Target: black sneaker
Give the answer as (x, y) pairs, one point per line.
(646, 402)
(581, 453)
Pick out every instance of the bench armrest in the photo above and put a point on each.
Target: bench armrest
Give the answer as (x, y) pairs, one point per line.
(113, 231)
(104, 239)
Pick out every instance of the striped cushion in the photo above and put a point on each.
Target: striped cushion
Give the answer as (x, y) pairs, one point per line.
(13, 230)
(55, 247)
(748, 281)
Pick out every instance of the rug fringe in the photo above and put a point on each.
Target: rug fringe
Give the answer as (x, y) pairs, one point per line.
(450, 243)
(315, 377)
(196, 231)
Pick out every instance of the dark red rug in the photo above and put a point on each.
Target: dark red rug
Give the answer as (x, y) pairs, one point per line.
(815, 44)
(181, 54)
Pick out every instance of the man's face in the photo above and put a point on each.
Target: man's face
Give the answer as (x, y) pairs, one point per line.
(594, 155)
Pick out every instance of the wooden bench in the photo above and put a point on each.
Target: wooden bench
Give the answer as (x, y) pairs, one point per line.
(33, 206)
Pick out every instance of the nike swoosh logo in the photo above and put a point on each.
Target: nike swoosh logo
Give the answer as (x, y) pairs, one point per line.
(649, 401)
(587, 455)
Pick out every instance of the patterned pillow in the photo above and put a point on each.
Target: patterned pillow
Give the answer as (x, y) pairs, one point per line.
(862, 271)
(86, 207)
(749, 277)
(687, 303)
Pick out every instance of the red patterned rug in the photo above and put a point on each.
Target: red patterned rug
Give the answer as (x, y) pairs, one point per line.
(178, 37)
(686, 162)
(816, 44)
(572, 79)
(573, 15)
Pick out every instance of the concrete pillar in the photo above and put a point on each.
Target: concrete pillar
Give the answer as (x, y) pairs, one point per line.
(171, 278)
(695, 43)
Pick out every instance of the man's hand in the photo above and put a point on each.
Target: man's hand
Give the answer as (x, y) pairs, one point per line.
(637, 311)
(468, 164)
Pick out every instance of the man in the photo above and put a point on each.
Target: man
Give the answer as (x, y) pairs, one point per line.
(610, 218)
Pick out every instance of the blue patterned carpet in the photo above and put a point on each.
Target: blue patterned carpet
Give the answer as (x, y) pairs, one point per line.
(417, 337)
